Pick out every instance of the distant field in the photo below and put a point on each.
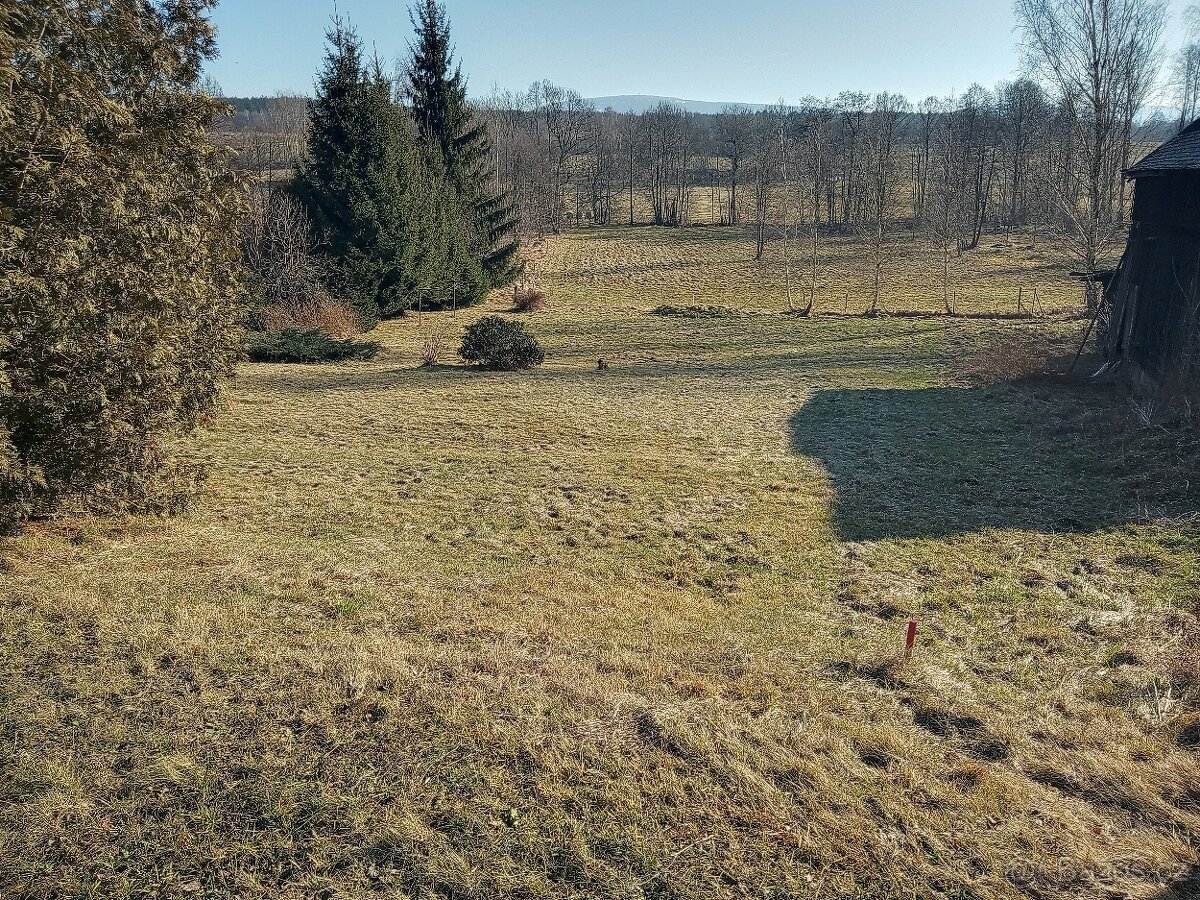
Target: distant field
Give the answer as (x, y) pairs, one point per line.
(707, 266)
(631, 633)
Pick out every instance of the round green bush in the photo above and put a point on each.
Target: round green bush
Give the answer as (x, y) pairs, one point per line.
(498, 343)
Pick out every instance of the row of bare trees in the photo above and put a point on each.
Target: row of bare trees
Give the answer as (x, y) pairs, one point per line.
(952, 167)
(1045, 151)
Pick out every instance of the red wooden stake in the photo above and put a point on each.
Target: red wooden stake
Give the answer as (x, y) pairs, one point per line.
(910, 638)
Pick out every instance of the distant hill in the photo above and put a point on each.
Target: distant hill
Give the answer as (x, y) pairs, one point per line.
(640, 103)
(625, 103)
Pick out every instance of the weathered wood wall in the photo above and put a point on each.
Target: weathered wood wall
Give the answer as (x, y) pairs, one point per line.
(1155, 304)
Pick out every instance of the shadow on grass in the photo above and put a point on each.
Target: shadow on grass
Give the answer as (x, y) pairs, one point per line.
(797, 353)
(1188, 886)
(941, 461)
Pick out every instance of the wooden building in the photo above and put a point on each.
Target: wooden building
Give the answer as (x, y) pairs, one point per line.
(1154, 305)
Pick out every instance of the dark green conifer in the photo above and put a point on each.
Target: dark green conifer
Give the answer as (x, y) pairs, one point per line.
(378, 205)
(352, 181)
(438, 94)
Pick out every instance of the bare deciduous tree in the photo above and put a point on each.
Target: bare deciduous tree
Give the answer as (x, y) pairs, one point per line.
(668, 163)
(944, 208)
(1101, 57)
(813, 152)
(734, 139)
(928, 111)
(765, 158)
(1022, 112)
(568, 118)
(290, 273)
(602, 168)
(520, 159)
(881, 135)
(1185, 70)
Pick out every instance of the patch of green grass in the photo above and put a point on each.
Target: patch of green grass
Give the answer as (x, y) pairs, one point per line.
(635, 632)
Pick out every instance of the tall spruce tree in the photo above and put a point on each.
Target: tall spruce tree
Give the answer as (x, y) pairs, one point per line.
(374, 198)
(460, 144)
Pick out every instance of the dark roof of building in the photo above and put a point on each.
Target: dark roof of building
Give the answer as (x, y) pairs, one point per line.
(1180, 153)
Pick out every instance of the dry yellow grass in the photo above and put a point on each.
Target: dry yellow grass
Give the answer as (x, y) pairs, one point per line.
(637, 265)
(334, 317)
(626, 633)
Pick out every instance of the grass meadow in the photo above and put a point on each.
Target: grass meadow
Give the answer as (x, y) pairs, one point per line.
(634, 632)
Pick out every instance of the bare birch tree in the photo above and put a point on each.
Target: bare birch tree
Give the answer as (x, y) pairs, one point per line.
(1100, 56)
(764, 158)
(944, 208)
(791, 203)
(734, 132)
(1185, 70)
(881, 140)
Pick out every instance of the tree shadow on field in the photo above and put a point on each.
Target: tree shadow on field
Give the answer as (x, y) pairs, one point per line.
(1188, 886)
(940, 461)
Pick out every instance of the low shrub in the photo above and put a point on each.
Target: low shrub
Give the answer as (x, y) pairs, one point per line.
(290, 273)
(297, 345)
(528, 300)
(695, 312)
(433, 343)
(497, 343)
(1010, 355)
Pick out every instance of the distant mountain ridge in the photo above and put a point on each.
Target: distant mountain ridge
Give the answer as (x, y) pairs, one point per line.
(623, 103)
(640, 103)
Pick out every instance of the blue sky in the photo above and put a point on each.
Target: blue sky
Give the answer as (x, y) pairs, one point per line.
(754, 51)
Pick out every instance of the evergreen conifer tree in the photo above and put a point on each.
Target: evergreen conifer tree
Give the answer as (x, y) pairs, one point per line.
(438, 94)
(352, 184)
(121, 290)
(373, 197)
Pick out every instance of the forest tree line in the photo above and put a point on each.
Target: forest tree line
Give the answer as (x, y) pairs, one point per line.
(565, 163)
